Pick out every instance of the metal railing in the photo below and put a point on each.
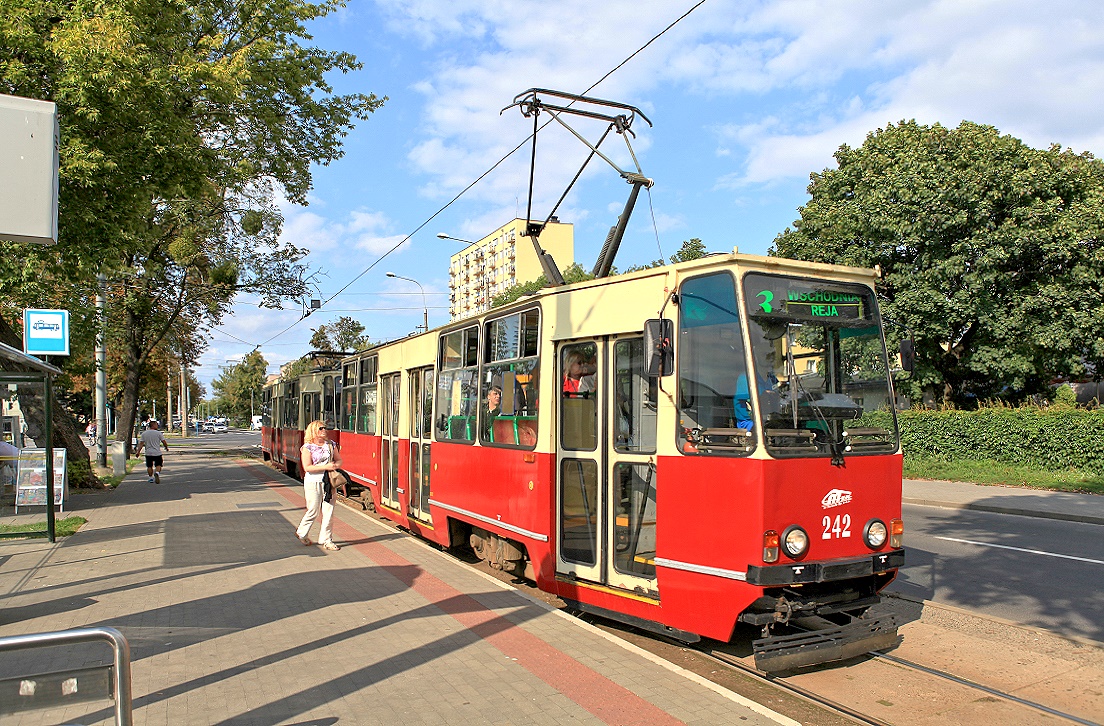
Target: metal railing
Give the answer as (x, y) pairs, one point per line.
(62, 688)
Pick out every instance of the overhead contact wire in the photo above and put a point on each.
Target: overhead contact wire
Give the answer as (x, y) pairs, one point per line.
(480, 178)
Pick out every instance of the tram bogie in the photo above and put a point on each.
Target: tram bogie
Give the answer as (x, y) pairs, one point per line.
(684, 448)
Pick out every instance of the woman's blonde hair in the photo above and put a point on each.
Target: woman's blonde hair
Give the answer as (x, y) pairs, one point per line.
(312, 431)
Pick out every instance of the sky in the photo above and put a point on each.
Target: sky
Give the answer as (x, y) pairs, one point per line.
(746, 100)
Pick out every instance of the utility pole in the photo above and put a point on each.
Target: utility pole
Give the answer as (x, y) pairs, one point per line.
(101, 372)
(168, 399)
(183, 400)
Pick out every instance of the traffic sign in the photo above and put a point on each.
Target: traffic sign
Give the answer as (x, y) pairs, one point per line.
(46, 332)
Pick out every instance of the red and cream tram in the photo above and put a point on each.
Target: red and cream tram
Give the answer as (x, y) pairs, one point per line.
(681, 448)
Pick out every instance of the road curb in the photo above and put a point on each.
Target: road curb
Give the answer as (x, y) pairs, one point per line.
(997, 509)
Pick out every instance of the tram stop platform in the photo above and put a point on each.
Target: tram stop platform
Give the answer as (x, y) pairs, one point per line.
(231, 620)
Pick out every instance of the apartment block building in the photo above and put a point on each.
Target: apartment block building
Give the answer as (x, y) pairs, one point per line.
(500, 260)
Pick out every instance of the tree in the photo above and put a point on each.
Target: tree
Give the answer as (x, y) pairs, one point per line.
(574, 273)
(990, 250)
(691, 249)
(239, 387)
(181, 123)
(343, 334)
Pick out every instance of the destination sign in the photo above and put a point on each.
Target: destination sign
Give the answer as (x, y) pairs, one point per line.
(805, 299)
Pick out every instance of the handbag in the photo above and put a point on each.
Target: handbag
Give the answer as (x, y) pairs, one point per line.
(337, 480)
(333, 481)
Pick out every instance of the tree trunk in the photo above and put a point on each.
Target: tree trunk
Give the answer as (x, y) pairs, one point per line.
(66, 432)
(131, 388)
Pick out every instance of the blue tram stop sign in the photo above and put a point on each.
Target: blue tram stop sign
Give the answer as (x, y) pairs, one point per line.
(46, 332)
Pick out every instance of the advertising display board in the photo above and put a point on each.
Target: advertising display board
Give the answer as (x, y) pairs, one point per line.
(30, 479)
(28, 170)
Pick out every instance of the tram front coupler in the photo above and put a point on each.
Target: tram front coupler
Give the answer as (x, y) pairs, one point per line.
(819, 641)
(802, 629)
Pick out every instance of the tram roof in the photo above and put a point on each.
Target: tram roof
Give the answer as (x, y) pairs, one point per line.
(761, 263)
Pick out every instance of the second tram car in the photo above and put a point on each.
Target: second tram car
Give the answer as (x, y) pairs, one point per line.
(682, 448)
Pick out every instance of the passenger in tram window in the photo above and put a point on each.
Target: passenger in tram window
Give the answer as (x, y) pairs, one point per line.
(578, 373)
(492, 408)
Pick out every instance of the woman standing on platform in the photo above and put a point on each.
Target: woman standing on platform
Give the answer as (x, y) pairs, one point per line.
(318, 456)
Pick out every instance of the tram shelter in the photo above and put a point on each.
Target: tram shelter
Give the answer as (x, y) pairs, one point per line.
(27, 393)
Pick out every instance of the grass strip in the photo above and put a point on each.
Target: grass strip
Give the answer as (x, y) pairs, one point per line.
(998, 472)
(62, 527)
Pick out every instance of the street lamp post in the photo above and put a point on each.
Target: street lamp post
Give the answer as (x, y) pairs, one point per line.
(425, 308)
(442, 235)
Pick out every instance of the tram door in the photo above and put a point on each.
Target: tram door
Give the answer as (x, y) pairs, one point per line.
(606, 464)
(421, 431)
(389, 440)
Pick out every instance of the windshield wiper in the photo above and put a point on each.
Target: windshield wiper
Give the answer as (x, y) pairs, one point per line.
(834, 446)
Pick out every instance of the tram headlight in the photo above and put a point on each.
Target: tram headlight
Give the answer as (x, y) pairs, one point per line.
(795, 542)
(875, 533)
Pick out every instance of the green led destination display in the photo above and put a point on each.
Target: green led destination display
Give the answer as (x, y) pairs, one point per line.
(803, 299)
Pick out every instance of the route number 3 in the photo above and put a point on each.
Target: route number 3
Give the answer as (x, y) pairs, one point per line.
(838, 527)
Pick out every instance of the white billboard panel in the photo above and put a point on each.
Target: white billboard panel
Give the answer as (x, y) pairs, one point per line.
(28, 170)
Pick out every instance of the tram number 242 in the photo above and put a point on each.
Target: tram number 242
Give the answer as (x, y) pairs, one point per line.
(838, 527)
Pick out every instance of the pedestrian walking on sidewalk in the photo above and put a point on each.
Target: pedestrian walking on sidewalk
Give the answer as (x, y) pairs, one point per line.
(153, 440)
(318, 456)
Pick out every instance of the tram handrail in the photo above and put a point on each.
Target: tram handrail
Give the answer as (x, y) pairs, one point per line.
(119, 646)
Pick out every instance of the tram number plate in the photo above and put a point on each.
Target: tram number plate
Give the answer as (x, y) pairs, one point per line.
(836, 528)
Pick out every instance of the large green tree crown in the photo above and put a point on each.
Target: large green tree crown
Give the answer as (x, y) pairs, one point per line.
(182, 124)
(991, 251)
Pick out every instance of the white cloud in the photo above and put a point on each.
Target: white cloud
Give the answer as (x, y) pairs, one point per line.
(310, 231)
(379, 245)
(825, 73)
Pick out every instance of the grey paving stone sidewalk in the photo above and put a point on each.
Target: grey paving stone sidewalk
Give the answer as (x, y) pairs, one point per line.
(1066, 506)
(232, 621)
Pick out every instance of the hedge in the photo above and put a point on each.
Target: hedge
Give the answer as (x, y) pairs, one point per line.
(1055, 439)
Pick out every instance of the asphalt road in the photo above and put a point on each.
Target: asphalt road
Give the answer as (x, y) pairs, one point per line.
(209, 442)
(1040, 572)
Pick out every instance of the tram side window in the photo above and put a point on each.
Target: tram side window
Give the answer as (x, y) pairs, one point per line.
(579, 390)
(310, 407)
(328, 400)
(349, 397)
(509, 381)
(291, 406)
(457, 390)
(635, 398)
(713, 405)
(266, 407)
(367, 396)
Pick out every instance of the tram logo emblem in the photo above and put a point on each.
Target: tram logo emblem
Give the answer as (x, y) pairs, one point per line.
(835, 498)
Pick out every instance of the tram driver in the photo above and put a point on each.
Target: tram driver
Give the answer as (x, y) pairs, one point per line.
(766, 384)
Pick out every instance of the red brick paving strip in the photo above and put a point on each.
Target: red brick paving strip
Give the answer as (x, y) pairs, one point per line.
(605, 699)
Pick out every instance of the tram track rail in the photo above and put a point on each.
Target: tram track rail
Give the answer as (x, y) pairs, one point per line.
(983, 688)
(792, 688)
(781, 682)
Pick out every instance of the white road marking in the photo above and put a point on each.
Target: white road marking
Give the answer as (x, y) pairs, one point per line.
(1021, 549)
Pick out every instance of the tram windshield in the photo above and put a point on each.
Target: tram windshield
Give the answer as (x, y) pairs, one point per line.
(817, 383)
(820, 367)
